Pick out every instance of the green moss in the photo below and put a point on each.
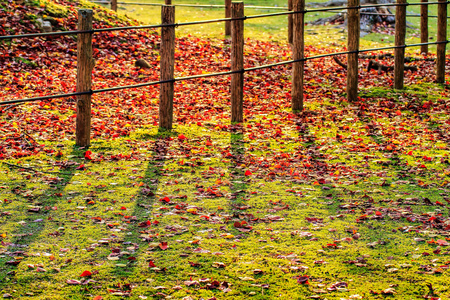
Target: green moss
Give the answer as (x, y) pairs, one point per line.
(55, 10)
(89, 213)
(25, 61)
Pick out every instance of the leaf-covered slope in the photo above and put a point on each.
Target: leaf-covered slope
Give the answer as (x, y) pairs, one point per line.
(43, 66)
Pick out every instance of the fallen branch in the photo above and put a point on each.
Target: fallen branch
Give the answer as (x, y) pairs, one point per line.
(380, 67)
(339, 62)
(9, 107)
(34, 170)
(375, 66)
(390, 55)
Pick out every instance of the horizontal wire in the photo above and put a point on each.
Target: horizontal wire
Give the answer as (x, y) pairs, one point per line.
(193, 5)
(213, 74)
(31, 35)
(61, 33)
(44, 98)
(393, 15)
(205, 22)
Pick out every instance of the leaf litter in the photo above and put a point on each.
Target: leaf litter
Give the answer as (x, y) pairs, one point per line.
(325, 203)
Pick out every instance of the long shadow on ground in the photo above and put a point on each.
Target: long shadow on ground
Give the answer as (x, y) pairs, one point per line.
(38, 213)
(142, 221)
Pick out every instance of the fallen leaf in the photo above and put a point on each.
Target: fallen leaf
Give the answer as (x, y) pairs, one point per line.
(86, 274)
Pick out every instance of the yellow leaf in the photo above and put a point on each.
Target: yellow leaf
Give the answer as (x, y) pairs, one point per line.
(246, 279)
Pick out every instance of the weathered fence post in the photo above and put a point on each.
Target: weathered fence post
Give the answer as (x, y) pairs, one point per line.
(424, 26)
(298, 21)
(237, 62)
(114, 5)
(167, 54)
(290, 22)
(85, 63)
(168, 2)
(399, 53)
(227, 15)
(441, 37)
(353, 24)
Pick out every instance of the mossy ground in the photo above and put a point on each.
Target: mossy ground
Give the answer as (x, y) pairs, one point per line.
(87, 214)
(340, 193)
(274, 28)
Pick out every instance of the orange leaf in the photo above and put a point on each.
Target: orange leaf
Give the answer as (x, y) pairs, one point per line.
(163, 245)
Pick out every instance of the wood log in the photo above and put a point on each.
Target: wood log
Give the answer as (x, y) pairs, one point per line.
(389, 55)
(380, 67)
(167, 53)
(85, 63)
(237, 63)
(333, 3)
(399, 53)
(339, 62)
(374, 65)
(298, 34)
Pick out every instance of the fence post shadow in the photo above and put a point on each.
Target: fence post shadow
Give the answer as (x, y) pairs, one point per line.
(237, 174)
(22, 239)
(145, 199)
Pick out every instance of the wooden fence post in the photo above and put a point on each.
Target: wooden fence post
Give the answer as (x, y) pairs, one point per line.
(353, 30)
(424, 26)
(114, 5)
(290, 22)
(237, 62)
(399, 53)
(441, 37)
(85, 63)
(167, 54)
(227, 15)
(168, 2)
(298, 21)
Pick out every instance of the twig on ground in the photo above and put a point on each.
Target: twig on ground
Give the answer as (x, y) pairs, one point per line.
(390, 55)
(380, 67)
(11, 106)
(375, 65)
(339, 62)
(34, 170)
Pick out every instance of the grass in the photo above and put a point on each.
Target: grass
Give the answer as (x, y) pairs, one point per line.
(342, 194)
(84, 219)
(272, 28)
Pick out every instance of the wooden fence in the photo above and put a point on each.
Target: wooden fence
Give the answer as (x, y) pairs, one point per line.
(423, 15)
(236, 21)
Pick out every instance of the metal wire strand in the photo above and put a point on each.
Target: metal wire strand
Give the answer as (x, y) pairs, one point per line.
(212, 74)
(61, 33)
